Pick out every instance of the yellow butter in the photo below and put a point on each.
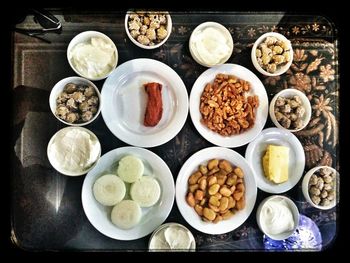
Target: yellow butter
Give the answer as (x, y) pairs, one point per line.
(275, 163)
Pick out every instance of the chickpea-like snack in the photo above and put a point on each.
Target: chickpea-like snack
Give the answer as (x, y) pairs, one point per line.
(272, 53)
(148, 28)
(216, 190)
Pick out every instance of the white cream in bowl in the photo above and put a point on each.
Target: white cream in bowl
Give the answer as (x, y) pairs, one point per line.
(211, 44)
(73, 150)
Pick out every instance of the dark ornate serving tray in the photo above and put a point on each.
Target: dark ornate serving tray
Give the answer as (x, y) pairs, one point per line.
(47, 212)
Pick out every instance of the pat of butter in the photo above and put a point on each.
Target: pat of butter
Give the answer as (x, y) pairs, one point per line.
(275, 163)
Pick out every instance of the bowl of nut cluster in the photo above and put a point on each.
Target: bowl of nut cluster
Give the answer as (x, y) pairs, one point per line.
(75, 101)
(148, 29)
(320, 187)
(290, 109)
(272, 54)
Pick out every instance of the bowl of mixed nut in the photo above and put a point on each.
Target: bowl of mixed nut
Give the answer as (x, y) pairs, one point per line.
(75, 101)
(148, 29)
(272, 54)
(290, 109)
(320, 187)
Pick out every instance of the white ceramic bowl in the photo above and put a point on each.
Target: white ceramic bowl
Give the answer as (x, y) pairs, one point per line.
(188, 212)
(66, 172)
(218, 26)
(305, 188)
(193, 242)
(293, 208)
(280, 70)
(58, 88)
(169, 27)
(287, 93)
(84, 37)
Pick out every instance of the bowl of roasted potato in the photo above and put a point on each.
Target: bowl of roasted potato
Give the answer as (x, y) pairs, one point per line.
(216, 190)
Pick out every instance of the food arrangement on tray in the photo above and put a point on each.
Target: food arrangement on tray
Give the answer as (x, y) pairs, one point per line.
(129, 192)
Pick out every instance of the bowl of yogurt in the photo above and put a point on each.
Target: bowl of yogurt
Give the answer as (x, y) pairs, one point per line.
(277, 217)
(92, 55)
(74, 151)
(172, 237)
(211, 44)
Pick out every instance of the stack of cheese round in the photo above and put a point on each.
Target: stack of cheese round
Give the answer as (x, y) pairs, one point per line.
(110, 190)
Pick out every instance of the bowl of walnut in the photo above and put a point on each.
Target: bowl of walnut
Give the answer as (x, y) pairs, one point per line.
(148, 29)
(75, 101)
(272, 54)
(290, 109)
(320, 187)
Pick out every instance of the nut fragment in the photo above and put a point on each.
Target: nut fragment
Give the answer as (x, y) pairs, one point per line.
(199, 210)
(194, 177)
(213, 200)
(190, 200)
(213, 164)
(209, 214)
(238, 171)
(224, 107)
(225, 165)
(199, 195)
(225, 191)
(214, 189)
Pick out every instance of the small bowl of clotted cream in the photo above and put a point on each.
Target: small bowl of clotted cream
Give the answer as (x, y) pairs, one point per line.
(74, 151)
(92, 55)
(277, 217)
(211, 44)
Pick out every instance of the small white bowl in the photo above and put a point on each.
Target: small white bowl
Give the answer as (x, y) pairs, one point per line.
(305, 188)
(293, 208)
(58, 88)
(287, 93)
(66, 172)
(169, 27)
(160, 228)
(84, 37)
(218, 26)
(280, 70)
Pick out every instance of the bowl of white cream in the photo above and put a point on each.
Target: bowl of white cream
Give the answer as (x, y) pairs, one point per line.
(277, 217)
(92, 55)
(172, 237)
(74, 151)
(211, 44)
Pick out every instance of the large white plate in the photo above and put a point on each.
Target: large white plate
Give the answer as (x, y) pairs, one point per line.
(191, 165)
(257, 148)
(257, 88)
(152, 217)
(124, 101)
